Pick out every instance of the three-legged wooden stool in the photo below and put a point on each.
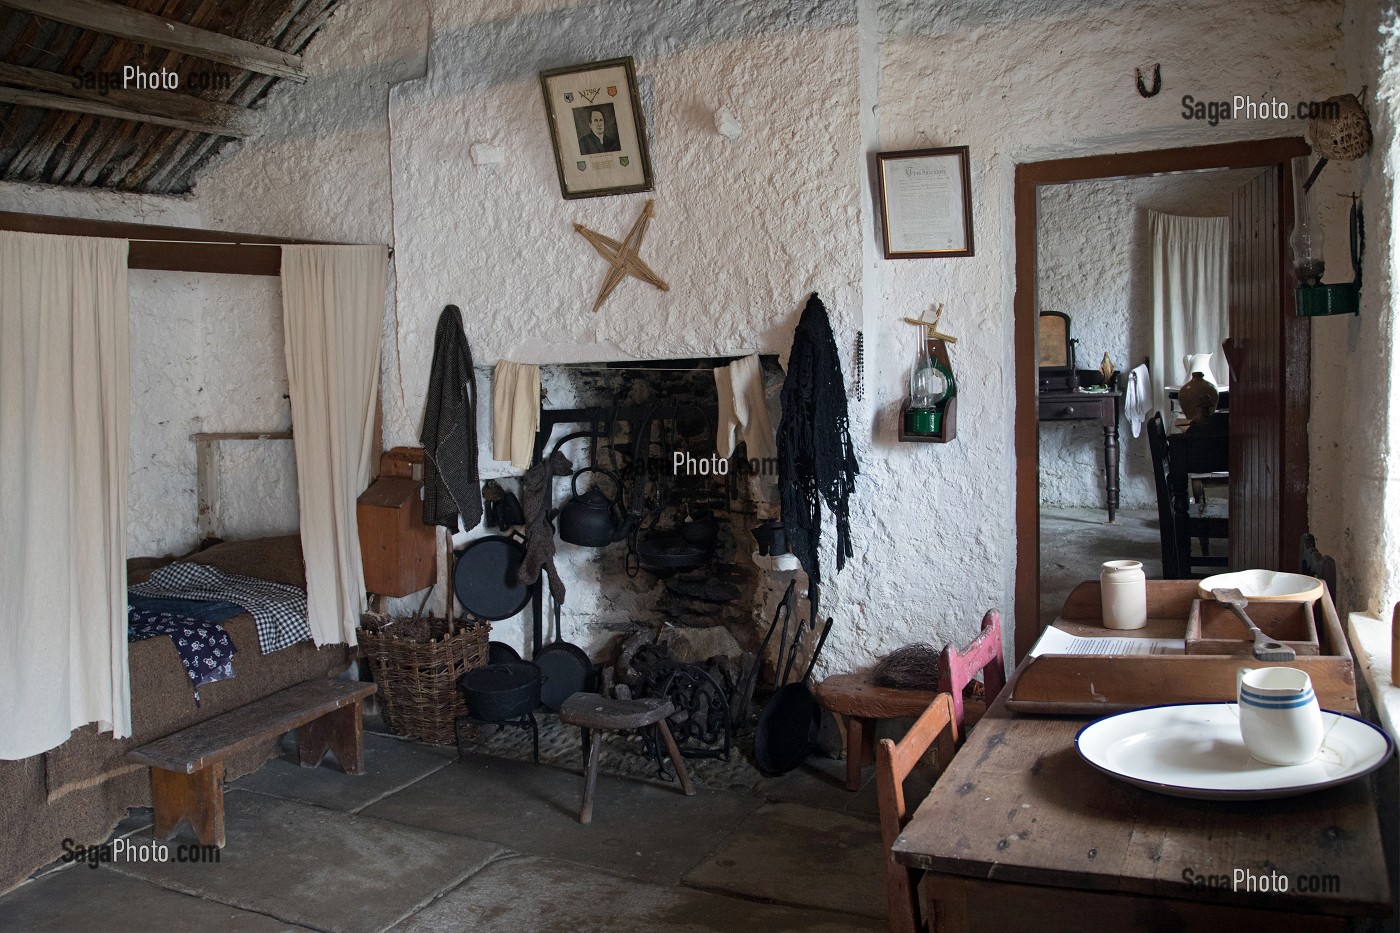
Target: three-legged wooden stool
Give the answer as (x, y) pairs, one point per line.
(594, 713)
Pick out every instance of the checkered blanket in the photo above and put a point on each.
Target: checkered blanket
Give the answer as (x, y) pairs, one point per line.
(279, 610)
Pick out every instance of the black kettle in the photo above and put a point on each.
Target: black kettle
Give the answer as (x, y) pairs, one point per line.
(592, 519)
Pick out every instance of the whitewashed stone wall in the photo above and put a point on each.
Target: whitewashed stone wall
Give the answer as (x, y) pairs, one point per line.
(745, 229)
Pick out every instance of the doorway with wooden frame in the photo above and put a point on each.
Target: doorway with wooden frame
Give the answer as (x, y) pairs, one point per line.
(1268, 354)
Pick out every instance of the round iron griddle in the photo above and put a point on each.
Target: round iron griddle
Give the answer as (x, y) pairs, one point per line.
(787, 729)
(484, 578)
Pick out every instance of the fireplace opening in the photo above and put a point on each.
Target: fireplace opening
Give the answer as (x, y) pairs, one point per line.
(655, 535)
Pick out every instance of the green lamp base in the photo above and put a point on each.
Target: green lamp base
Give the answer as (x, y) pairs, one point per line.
(1323, 300)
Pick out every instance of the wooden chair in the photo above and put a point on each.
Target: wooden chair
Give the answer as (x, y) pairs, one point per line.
(893, 762)
(1174, 459)
(862, 704)
(957, 668)
(1314, 563)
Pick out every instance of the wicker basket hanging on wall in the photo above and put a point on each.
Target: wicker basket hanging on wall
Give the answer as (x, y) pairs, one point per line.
(1345, 137)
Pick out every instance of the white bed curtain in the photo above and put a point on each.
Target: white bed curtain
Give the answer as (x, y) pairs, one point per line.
(64, 406)
(332, 312)
(1190, 296)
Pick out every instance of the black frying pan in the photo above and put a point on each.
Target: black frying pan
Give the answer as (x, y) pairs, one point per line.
(567, 669)
(787, 727)
(484, 577)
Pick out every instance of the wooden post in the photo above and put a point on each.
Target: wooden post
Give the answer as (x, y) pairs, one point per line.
(1395, 646)
(207, 485)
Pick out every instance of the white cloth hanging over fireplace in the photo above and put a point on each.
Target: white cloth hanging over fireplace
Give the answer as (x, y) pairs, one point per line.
(64, 406)
(743, 410)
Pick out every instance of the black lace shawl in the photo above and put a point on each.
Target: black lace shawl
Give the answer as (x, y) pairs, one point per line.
(815, 460)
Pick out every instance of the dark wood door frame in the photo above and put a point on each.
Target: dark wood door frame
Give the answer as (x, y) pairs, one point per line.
(1029, 176)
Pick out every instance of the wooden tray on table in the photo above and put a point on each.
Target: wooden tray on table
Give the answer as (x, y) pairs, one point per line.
(1078, 684)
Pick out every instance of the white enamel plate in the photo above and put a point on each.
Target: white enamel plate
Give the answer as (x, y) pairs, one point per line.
(1195, 750)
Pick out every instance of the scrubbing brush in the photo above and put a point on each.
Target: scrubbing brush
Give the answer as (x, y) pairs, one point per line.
(1265, 648)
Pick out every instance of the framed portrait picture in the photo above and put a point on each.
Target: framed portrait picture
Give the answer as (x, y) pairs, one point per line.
(926, 203)
(596, 124)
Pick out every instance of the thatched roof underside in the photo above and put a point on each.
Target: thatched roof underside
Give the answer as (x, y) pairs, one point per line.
(46, 144)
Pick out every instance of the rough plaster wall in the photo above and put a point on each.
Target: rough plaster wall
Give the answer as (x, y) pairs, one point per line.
(1018, 82)
(746, 228)
(1095, 265)
(206, 355)
(1353, 508)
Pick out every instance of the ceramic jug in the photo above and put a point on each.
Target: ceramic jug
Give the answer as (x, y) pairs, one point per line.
(1200, 363)
(1123, 586)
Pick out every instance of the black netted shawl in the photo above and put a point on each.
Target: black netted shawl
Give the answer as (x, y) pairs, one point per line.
(450, 487)
(815, 459)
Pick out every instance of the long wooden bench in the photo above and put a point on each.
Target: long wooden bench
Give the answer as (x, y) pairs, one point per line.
(187, 767)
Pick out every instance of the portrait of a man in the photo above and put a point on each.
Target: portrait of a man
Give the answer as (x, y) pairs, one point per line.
(597, 129)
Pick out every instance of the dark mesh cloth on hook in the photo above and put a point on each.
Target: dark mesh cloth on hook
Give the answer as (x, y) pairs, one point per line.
(450, 485)
(539, 549)
(815, 461)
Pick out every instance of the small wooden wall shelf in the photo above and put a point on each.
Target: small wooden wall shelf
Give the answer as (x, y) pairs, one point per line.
(949, 426)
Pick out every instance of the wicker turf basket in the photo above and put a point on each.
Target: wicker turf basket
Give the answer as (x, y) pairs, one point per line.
(416, 662)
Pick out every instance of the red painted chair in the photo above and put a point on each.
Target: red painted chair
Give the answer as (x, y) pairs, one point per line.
(862, 704)
(956, 669)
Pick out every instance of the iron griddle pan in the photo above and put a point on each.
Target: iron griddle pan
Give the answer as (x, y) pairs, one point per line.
(483, 577)
(567, 668)
(787, 727)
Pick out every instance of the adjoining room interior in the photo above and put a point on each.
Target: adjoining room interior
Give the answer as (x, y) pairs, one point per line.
(715, 467)
(1096, 266)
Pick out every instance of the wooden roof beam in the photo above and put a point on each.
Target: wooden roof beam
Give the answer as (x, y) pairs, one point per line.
(37, 88)
(148, 29)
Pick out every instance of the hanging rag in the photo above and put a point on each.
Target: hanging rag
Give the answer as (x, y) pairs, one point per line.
(816, 462)
(535, 489)
(515, 412)
(1137, 398)
(743, 410)
(450, 490)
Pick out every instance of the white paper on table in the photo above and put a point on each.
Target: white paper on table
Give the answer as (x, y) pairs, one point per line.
(1058, 641)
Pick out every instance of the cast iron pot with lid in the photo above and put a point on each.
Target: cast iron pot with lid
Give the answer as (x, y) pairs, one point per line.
(501, 692)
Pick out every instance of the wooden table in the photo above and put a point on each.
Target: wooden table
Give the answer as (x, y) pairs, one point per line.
(1103, 407)
(1021, 833)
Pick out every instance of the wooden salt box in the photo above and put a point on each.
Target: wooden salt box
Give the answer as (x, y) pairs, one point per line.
(397, 549)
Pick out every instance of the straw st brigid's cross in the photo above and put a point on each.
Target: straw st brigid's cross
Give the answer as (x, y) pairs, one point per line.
(622, 257)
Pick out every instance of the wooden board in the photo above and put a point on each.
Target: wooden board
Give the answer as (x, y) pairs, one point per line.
(1101, 684)
(1017, 804)
(213, 740)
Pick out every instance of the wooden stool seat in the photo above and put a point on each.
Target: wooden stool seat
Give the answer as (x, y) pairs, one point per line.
(862, 703)
(593, 713)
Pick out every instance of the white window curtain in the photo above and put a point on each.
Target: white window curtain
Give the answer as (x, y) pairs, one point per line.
(1190, 296)
(64, 406)
(332, 312)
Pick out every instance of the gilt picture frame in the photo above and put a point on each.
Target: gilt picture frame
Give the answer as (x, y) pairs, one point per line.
(926, 203)
(597, 128)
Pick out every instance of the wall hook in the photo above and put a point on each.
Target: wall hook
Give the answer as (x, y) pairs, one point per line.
(1156, 81)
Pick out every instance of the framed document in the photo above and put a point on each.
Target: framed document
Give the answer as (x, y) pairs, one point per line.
(596, 124)
(926, 203)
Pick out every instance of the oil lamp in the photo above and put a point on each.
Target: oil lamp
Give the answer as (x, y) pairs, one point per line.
(931, 384)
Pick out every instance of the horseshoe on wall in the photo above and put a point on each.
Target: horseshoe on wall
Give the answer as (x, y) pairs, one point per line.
(1156, 81)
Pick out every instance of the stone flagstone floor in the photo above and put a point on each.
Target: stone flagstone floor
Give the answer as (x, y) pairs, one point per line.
(492, 844)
